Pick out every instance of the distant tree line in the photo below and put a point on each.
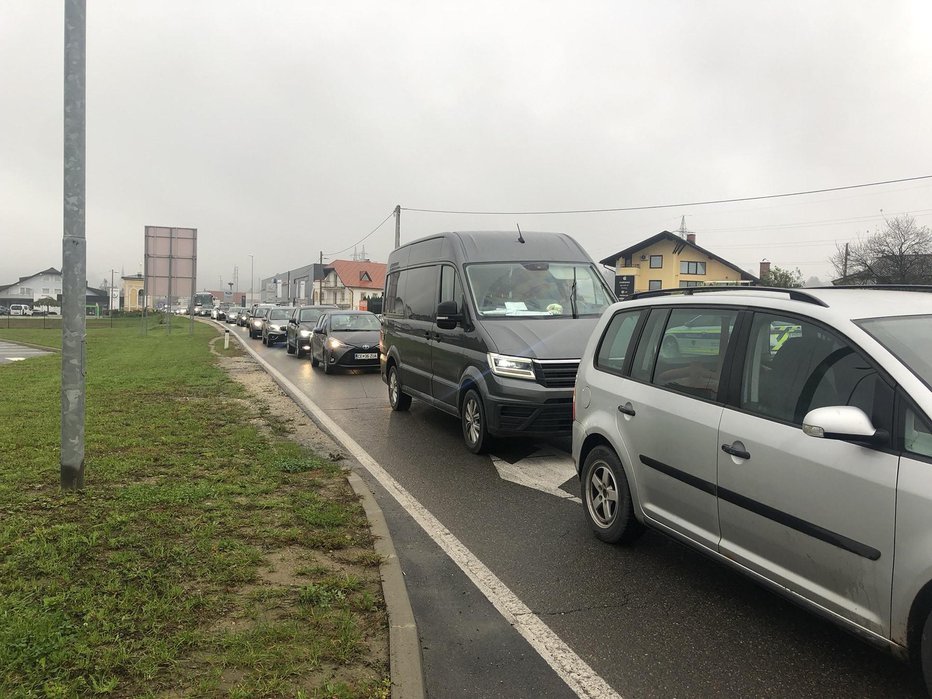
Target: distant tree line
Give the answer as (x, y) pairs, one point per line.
(899, 254)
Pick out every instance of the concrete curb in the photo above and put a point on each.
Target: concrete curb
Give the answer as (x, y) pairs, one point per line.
(404, 647)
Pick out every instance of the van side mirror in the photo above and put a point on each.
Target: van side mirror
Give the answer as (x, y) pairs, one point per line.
(448, 315)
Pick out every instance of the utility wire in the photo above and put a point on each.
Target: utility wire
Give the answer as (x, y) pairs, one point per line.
(331, 254)
(667, 206)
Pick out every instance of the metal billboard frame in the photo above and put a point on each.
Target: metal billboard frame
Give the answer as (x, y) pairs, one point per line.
(170, 269)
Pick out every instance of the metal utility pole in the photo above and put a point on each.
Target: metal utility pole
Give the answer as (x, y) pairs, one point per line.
(74, 250)
(844, 268)
(397, 225)
(252, 276)
(320, 286)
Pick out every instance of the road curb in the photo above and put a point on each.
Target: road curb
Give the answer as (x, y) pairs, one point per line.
(404, 648)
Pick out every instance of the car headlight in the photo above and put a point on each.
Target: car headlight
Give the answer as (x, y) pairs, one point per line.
(512, 367)
(304, 333)
(334, 343)
(257, 323)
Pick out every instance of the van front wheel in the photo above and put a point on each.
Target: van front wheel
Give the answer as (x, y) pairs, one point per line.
(396, 398)
(473, 420)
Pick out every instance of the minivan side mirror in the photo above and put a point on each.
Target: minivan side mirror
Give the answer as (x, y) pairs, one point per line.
(448, 315)
(844, 422)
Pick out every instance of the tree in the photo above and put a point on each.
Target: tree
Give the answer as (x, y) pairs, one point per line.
(899, 254)
(783, 278)
(45, 301)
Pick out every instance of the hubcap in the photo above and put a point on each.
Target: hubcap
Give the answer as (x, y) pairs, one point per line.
(602, 495)
(472, 419)
(393, 387)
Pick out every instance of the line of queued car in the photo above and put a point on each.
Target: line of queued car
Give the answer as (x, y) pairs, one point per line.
(333, 338)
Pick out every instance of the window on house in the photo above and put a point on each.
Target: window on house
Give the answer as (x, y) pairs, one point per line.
(692, 267)
(364, 277)
(687, 285)
(654, 284)
(45, 291)
(656, 261)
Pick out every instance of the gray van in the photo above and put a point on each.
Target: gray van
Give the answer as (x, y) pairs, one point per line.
(490, 326)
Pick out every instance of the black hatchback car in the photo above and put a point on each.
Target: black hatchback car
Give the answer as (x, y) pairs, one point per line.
(346, 339)
(301, 327)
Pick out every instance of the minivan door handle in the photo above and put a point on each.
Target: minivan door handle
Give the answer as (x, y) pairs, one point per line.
(626, 409)
(737, 451)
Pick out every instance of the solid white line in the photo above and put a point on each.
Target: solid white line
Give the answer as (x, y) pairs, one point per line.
(572, 669)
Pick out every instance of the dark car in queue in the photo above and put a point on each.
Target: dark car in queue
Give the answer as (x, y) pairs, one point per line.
(346, 340)
(233, 314)
(256, 316)
(301, 326)
(274, 324)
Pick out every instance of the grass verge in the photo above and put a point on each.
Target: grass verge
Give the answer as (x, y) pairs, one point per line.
(208, 555)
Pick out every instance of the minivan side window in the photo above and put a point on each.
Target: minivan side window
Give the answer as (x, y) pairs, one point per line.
(793, 366)
(616, 341)
(918, 435)
(421, 293)
(692, 350)
(645, 354)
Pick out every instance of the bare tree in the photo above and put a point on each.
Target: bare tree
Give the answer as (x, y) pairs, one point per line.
(899, 254)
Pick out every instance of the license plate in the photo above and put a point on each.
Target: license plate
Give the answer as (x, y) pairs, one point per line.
(367, 355)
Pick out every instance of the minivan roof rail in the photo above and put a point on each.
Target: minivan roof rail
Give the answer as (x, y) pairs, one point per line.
(882, 287)
(794, 294)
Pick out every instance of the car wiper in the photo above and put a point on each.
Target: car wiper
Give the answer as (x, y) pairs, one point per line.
(573, 295)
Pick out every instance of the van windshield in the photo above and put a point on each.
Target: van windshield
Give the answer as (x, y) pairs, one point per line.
(541, 289)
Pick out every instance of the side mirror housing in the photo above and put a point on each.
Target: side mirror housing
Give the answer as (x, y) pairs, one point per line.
(844, 422)
(319, 331)
(448, 315)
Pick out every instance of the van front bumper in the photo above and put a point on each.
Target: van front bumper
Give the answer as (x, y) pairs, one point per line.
(516, 407)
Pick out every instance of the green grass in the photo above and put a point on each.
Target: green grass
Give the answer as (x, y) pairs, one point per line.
(149, 581)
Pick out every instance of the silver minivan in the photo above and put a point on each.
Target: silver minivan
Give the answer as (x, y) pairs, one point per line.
(786, 433)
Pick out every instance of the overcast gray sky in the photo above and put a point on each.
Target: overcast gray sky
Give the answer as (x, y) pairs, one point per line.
(283, 129)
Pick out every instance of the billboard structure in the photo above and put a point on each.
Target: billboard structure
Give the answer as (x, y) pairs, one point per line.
(170, 271)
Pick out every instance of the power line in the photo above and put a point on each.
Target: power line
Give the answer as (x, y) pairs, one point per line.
(331, 254)
(667, 206)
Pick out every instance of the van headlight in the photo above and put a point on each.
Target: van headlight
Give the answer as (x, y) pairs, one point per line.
(512, 367)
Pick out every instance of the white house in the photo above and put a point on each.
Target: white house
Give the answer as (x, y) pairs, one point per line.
(45, 284)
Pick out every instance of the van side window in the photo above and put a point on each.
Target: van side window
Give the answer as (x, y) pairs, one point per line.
(450, 289)
(421, 293)
(393, 304)
(616, 341)
(692, 350)
(646, 353)
(794, 366)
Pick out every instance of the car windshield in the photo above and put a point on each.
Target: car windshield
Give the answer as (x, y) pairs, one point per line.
(349, 323)
(260, 312)
(908, 338)
(541, 289)
(310, 314)
(280, 313)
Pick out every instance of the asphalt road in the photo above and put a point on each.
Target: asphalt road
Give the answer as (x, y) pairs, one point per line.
(652, 620)
(12, 352)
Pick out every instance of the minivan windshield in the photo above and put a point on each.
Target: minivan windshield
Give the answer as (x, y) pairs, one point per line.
(908, 338)
(540, 289)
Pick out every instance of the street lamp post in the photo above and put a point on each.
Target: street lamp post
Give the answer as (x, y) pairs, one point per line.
(252, 296)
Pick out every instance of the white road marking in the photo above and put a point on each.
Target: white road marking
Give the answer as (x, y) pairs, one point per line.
(572, 669)
(545, 470)
(15, 359)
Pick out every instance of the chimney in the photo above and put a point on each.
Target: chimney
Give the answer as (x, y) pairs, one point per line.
(691, 238)
(764, 269)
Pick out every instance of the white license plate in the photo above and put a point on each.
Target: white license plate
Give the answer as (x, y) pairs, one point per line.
(367, 355)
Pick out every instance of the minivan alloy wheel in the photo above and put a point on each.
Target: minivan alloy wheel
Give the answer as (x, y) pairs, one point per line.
(607, 498)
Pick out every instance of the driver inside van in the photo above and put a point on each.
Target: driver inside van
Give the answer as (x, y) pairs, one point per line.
(534, 289)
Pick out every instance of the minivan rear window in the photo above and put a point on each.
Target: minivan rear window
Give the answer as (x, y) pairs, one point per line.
(536, 289)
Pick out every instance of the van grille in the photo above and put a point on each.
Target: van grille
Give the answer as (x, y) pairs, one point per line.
(557, 374)
(555, 417)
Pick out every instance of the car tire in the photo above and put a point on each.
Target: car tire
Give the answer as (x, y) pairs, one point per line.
(288, 348)
(315, 362)
(398, 399)
(474, 423)
(925, 652)
(607, 499)
(325, 362)
(299, 353)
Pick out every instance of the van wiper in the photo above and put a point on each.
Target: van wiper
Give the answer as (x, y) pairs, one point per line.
(573, 295)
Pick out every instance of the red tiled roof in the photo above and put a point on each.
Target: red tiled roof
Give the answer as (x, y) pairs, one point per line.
(353, 274)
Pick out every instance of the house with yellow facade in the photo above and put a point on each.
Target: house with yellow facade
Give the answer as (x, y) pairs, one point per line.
(667, 261)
